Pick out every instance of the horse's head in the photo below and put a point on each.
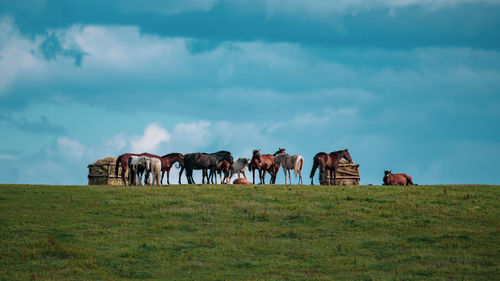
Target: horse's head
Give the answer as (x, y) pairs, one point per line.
(224, 155)
(180, 158)
(145, 162)
(346, 155)
(386, 177)
(280, 150)
(256, 155)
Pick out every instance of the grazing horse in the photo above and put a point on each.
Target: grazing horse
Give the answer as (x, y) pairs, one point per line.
(167, 161)
(223, 167)
(329, 162)
(397, 179)
(204, 161)
(138, 165)
(123, 160)
(264, 163)
(156, 168)
(239, 166)
(290, 162)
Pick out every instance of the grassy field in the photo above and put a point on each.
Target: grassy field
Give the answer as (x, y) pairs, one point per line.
(249, 233)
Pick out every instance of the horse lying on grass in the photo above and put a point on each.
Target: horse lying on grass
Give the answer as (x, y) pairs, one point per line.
(397, 179)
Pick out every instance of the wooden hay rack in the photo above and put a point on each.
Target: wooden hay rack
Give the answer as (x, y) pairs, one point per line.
(102, 172)
(347, 174)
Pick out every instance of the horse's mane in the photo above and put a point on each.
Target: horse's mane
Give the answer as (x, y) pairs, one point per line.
(171, 154)
(222, 151)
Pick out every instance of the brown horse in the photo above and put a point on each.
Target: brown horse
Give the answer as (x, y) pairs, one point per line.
(223, 168)
(241, 181)
(167, 161)
(264, 163)
(329, 162)
(123, 160)
(397, 179)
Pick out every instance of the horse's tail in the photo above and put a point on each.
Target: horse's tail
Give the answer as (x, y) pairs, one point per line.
(315, 166)
(118, 161)
(299, 163)
(409, 180)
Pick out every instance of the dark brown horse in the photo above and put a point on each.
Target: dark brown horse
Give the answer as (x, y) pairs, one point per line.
(123, 160)
(329, 162)
(204, 161)
(264, 163)
(397, 179)
(167, 161)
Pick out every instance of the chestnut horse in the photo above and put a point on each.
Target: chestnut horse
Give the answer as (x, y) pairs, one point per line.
(264, 163)
(223, 168)
(167, 161)
(397, 179)
(329, 162)
(123, 160)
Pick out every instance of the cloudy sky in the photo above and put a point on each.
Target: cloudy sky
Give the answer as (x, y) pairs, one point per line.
(407, 85)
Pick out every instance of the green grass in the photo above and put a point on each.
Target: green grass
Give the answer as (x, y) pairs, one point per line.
(249, 233)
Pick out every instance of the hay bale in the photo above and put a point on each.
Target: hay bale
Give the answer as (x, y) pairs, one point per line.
(106, 160)
(102, 172)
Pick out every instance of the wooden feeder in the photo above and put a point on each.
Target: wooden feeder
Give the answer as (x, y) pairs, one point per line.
(347, 174)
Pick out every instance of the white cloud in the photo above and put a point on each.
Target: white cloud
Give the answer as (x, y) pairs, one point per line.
(16, 59)
(70, 149)
(323, 8)
(190, 136)
(8, 157)
(153, 137)
(165, 6)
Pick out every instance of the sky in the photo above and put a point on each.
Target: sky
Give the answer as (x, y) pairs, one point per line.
(406, 85)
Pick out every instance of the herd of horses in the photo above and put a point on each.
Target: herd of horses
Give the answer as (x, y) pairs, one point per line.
(222, 164)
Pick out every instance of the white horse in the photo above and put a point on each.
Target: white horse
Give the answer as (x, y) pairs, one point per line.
(156, 170)
(138, 165)
(239, 166)
(295, 162)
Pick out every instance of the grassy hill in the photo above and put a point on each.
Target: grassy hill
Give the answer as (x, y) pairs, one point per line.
(249, 233)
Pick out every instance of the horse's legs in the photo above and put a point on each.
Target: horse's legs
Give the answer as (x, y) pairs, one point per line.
(284, 171)
(253, 173)
(131, 177)
(188, 175)
(334, 176)
(244, 174)
(124, 170)
(290, 176)
(330, 179)
(180, 174)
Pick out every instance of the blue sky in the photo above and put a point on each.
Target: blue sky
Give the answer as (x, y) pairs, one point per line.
(411, 86)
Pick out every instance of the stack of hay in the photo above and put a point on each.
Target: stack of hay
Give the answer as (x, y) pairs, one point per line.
(102, 172)
(347, 174)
